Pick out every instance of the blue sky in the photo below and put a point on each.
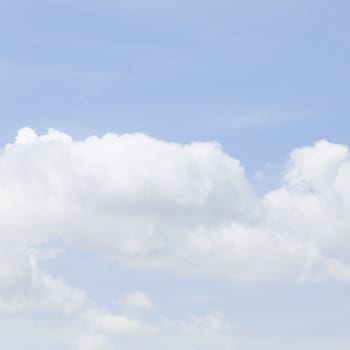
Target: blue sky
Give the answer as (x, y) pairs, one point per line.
(100, 228)
(249, 75)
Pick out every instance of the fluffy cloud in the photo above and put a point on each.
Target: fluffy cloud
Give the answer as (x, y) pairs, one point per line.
(130, 196)
(156, 204)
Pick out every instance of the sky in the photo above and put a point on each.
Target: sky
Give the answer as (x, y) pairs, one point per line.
(174, 174)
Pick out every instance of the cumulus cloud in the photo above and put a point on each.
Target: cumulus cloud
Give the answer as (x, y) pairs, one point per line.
(186, 207)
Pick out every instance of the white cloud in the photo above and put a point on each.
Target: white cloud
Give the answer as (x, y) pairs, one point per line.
(156, 204)
(24, 286)
(93, 342)
(137, 299)
(212, 323)
(104, 330)
(111, 331)
(115, 324)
